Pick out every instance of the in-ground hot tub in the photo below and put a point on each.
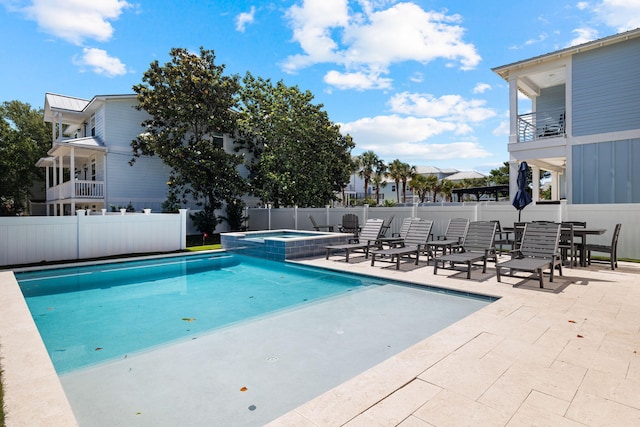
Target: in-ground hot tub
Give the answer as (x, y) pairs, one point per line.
(279, 245)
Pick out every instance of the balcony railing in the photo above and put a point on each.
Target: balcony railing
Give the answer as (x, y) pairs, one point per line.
(541, 124)
(83, 190)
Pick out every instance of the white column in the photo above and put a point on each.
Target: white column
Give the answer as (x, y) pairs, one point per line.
(513, 179)
(72, 175)
(513, 110)
(555, 186)
(535, 183)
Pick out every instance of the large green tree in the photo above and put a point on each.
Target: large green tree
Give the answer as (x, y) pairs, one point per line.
(24, 138)
(299, 156)
(395, 173)
(190, 102)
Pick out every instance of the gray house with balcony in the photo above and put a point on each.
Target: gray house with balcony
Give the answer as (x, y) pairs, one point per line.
(583, 124)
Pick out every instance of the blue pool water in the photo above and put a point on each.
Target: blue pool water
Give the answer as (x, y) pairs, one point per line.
(90, 314)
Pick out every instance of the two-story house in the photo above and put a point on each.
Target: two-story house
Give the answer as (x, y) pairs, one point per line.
(583, 124)
(88, 163)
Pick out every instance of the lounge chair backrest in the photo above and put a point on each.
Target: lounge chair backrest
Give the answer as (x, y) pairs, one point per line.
(540, 240)
(418, 233)
(457, 229)
(349, 223)
(371, 230)
(480, 236)
(404, 227)
(386, 225)
(313, 222)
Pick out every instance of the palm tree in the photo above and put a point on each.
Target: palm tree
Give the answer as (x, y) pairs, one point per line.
(446, 189)
(354, 166)
(420, 185)
(378, 182)
(407, 173)
(368, 164)
(395, 173)
(432, 182)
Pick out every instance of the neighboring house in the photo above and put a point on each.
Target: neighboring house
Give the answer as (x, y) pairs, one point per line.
(584, 121)
(88, 163)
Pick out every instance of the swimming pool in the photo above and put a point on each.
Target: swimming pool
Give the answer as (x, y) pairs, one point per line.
(306, 343)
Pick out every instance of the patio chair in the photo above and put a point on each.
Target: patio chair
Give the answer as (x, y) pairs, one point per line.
(478, 245)
(369, 237)
(314, 223)
(611, 250)
(538, 251)
(350, 224)
(319, 227)
(567, 245)
(453, 236)
(414, 243)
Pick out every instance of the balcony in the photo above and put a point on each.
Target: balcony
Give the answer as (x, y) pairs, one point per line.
(541, 124)
(76, 190)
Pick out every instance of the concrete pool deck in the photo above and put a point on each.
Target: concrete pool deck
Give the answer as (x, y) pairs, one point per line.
(567, 355)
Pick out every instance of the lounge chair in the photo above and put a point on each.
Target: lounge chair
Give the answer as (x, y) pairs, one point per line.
(478, 245)
(453, 237)
(319, 227)
(538, 251)
(350, 224)
(611, 250)
(401, 235)
(414, 243)
(369, 236)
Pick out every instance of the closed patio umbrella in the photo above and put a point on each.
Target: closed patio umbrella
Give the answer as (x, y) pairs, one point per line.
(522, 197)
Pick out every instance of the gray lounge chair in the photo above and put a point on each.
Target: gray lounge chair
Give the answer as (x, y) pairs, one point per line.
(538, 251)
(414, 243)
(478, 245)
(453, 237)
(369, 236)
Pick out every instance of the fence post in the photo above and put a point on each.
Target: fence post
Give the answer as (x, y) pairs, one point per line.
(365, 212)
(295, 217)
(183, 228)
(326, 207)
(269, 215)
(80, 216)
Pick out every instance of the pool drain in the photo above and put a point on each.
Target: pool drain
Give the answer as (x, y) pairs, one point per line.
(272, 359)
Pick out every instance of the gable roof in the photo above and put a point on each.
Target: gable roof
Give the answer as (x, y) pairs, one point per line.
(503, 70)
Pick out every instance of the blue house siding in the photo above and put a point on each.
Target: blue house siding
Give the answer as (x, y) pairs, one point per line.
(552, 98)
(604, 172)
(606, 89)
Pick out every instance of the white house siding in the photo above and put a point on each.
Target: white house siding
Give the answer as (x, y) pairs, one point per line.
(606, 89)
(144, 183)
(604, 172)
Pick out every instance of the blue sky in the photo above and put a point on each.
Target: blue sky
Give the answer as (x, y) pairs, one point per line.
(410, 80)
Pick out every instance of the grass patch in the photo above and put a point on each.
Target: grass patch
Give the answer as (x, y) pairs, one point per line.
(2, 424)
(204, 248)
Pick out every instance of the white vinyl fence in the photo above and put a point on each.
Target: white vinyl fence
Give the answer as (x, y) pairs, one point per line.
(25, 240)
(596, 216)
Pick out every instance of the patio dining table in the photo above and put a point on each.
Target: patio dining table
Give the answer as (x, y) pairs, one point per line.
(583, 233)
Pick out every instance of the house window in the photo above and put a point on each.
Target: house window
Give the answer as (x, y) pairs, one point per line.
(93, 169)
(393, 187)
(218, 140)
(93, 125)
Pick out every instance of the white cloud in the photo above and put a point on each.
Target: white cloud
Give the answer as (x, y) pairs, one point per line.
(502, 129)
(76, 20)
(369, 41)
(245, 18)
(449, 107)
(100, 62)
(481, 88)
(623, 15)
(358, 80)
(583, 35)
